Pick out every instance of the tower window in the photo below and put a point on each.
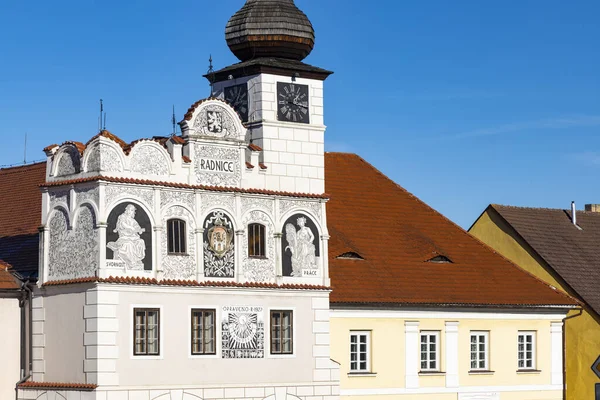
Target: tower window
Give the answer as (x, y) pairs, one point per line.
(176, 236)
(256, 241)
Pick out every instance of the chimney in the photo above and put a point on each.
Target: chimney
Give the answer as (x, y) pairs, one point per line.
(573, 214)
(592, 207)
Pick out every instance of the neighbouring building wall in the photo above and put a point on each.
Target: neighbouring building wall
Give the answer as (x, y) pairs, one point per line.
(10, 346)
(394, 355)
(582, 327)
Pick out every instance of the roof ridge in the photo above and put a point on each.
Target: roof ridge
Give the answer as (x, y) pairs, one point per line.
(17, 167)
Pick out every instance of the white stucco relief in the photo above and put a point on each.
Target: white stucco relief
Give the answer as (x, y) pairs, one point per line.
(301, 244)
(251, 203)
(210, 201)
(129, 247)
(169, 197)
(69, 162)
(313, 206)
(113, 193)
(103, 158)
(214, 120)
(259, 269)
(88, 194)
(73, 253)
(59, 197)
(217, 165)
(179, 266)
(148, 159)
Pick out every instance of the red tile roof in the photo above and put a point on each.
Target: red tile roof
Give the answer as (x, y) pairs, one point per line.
(7, 281)
(57, 385)
(396, 233)
(20, 216)
(181, 186)
(171, 282)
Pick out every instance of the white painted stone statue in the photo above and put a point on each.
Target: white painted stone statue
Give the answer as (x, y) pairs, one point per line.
(301, 245)
(129, 248)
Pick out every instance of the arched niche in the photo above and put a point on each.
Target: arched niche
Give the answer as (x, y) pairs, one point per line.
(219, 245)
(300, 247)
(129, 237)
(68, 161)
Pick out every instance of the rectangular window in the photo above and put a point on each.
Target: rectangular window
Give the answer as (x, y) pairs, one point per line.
(479, 351)
(360, 343)
(430, 350)
(203, 332)
(282, 341)
(256, 241)
(526, 350)
(146, 337)
(176, 236)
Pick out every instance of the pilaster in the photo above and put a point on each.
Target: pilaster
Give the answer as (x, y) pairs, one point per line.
(411, 348)
(556, 352)
(451, 354)
(38, 338)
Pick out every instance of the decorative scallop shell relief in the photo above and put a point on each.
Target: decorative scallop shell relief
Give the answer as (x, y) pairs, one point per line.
(73, 253)
(179, 266)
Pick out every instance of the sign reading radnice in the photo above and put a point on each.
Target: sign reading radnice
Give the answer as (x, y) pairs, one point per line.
(209, 164)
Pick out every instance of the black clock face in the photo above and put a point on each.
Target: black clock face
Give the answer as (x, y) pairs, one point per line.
(237, 96)
(292, 102)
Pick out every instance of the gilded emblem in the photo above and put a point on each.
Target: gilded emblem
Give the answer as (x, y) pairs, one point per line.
(220, 235)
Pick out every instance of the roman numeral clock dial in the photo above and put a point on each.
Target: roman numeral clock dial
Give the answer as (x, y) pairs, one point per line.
(292, 102)
(237, 97)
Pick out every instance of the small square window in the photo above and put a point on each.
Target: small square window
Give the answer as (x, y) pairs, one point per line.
(282, 338)
(360, 349)
(203, 332)
(146, 332)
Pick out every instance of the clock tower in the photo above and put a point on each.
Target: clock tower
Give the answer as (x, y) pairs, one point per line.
(277, 96)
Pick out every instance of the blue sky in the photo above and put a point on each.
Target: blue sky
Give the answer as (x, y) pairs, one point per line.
(463, 103)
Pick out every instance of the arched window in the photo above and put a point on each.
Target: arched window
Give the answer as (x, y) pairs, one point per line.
(256, 241)
(176, 242)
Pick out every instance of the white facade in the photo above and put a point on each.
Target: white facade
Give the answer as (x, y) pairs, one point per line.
(10, 341)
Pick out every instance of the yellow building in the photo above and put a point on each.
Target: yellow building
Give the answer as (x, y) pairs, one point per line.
(422, 310)
(564, 252)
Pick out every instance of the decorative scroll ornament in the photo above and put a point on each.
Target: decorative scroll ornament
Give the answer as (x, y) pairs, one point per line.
(103, 158)
(243, 332)
(208, 201)
(219, 260)
(87, 194)
(168, 197)
(148, 159)
(114, 192)
(129, 247)
(313, 206)
(216, 121)
(59, 197)
(250, 203)
(177, 266)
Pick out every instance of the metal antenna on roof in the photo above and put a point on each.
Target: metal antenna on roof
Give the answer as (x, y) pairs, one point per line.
(100, 117)
(211, 74)
(174, 121)
(25, 150)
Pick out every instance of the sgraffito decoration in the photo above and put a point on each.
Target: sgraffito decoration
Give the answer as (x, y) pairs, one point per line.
(73, 253)
(129, 238)
(217, 166)
(243, 332)
(219, 252)
(214, 120)
(300, 247)
(148, 159)
(69, 162)
(179, 266)
(259, 269)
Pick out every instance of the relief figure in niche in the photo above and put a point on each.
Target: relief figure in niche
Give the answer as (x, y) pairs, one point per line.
(301, 246)
(129, 247)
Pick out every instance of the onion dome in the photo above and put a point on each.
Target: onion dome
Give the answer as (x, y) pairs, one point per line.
(270, 28)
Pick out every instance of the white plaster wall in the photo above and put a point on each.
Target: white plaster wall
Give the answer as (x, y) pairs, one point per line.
(10, 346)
(175, 366)
(63, 334)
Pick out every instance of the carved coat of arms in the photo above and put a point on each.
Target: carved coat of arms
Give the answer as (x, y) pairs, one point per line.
(220, 235)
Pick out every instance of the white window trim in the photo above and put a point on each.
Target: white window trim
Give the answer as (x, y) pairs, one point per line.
(437, 351)
(486, 334)
(369, 367)
(268, 333)
(161, 332)
(217, 332)
(533, 335)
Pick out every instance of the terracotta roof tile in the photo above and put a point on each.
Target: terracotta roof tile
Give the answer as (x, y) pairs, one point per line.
(190, 112)
(574, 254)
(181, 186)
(58, 385)
(393, 230)
(7, 280)
(20, 216)
(171, 282)
(50, 148)
(108, 135)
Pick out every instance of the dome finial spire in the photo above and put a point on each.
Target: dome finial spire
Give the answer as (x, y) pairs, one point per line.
(270, 28)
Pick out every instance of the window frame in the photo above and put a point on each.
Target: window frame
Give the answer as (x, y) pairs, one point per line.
(358, 370)
(203, 310)
(533, 335)
(292, 328)
(429, 334)
(146, 310)
(486, 335)
(182, 238)
(262, 243)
